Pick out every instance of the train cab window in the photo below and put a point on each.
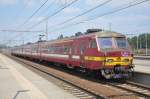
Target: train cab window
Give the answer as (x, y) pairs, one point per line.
(93, 44)
(105, 43)
(121, 42)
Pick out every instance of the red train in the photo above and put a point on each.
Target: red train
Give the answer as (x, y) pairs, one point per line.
(105, 52)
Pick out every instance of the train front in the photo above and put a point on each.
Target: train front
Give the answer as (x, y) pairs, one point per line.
(118, 59)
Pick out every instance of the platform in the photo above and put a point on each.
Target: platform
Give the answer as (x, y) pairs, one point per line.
(18, 82)
(142, 57)
(142, 66)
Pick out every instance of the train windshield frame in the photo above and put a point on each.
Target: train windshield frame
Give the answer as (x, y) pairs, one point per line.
(108, 43)
(121, 42)
(105, 42)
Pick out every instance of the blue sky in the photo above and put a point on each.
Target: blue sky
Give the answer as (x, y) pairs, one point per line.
(14, 12)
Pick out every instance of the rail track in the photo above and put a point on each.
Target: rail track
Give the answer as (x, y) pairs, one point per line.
(62, 83)
(85, 89)
(136, 88)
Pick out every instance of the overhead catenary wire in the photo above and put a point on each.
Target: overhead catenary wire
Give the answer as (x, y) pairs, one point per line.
(99, 5)
(21, 31)
(131, 4)
(58, 11)
(8, 41)
(110, 12)
(88, 11)
(48, 17)
(28, 19)
(21, 11)
(48, 7)
(32, 16)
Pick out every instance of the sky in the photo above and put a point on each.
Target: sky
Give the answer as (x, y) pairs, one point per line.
(14, 13)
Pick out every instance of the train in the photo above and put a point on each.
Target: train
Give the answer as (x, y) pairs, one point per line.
(106, 53)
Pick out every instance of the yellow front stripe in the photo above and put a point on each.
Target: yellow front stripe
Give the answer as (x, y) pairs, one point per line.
(119, 58)
(92, 58)
(117, 63)
(116, 60)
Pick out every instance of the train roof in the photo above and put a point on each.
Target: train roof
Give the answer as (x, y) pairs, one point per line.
(102, 34)
(94, 34)
(89, 35)
(109, 34)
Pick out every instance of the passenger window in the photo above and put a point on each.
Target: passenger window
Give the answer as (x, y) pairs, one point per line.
(66, 49)
(82, 49)
(93, 44)
(74, 49)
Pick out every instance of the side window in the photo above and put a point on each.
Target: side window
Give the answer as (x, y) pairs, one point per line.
(93, 44)
(66, 49)
(82, 48)
(74, 49)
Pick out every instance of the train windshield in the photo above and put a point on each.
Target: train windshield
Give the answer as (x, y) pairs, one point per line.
(121, 42)
(105, 43)
(112, 43)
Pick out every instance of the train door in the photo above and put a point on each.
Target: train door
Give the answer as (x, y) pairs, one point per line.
(75, 57)
(39, 51)
(83, 48)
(79, 47)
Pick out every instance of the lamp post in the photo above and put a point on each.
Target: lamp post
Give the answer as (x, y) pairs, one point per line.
(137, 45)
(146, 43)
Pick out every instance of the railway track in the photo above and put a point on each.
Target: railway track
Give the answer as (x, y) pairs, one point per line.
(138, 89)
(92, 90)
(62, 83)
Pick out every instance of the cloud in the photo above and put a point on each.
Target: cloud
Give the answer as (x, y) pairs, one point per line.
(8, 2)
(114, 3)
(127, 23)
(132, 23)
(93, 2)
(71, 10)
(30, 3)
(132, 19)
(64, 1)
(119, 3)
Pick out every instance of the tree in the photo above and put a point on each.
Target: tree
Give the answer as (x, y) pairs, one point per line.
(78, 34)
(60, 36)
(141, 41)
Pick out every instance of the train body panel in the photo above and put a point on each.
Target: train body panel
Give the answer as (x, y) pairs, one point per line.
(104, 51)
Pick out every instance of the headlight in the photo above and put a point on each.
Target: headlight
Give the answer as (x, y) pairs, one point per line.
(107, 71)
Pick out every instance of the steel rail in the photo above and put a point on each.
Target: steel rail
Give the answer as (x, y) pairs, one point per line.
(129, 87)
